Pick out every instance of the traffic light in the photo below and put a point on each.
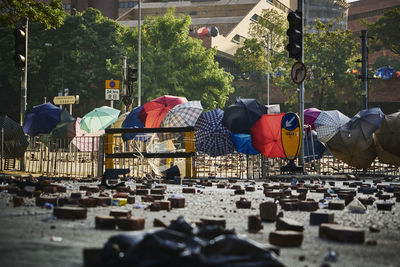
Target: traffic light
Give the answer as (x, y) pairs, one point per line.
(19, 47)
(295, 33)
(132, 74)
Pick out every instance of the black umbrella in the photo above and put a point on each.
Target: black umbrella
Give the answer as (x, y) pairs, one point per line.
(15, 142)
(351, 146)
(387, 138)
(241, 116)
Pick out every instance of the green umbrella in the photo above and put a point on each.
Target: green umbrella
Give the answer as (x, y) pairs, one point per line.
(99, 119)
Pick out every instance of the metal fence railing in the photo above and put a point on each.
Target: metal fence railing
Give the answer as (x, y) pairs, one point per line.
(85, 156)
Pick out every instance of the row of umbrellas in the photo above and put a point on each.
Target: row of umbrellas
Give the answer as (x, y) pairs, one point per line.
(244, 126)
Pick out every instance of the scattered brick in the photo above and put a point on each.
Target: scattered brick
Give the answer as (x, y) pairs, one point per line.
(289, 224)
(18, 201)
(103, 201)
(340, 233)
(366, 200)
(130, 224)
(189, 190)
(120, 213)
(220, 185)
(384, 196)
(254, 223)
(93, 189)
(268, 211)
(73, 213)
(105, 222)
(289, 204)
(243, 203)
(121, 195)
(157, 197)
(371, 242)
(239, 192)
(123, 189)
(336, 205)
(250, 189)
(236, 187)
(76, 195)
(43, 199)
(50, 189)
(131, 199)
(147, 198)
(177, 202)
(88, 202)
(212, 221)
(158, 223)
(384, 205)
(165, 204)
(307, 205)
(273, 194)
(157, 191)
(142, 191)
(286, 238)
(316, 218)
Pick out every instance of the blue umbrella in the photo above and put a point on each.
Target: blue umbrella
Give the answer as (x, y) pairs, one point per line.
(211, 137)
(368, 120)
(384, 73)
(42, 119)
(132, 121)
(313, 148)
(241, 116)
(242, 144)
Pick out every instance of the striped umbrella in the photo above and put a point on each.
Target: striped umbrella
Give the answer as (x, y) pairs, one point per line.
(181, 115)
(328, 123)
(211, 137)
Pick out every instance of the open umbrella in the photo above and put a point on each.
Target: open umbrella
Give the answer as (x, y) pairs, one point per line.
(384, 73)
(350, 146)
(328, 123)
(99, 119)
(266, 136)
(182, 115)
(42, 119)
(132, 121)
(310, 115)
(85, 141)
(153, 112)
(211, 137)
(387, 138)
(313, 148)
(242, 144)
(368, 120)
(15, 142)
(240, 116)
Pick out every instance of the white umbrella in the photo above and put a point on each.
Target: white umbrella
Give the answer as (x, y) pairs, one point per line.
(328, 123)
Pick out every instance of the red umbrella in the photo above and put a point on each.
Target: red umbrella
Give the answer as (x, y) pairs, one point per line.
(153, 112)
(266, 135)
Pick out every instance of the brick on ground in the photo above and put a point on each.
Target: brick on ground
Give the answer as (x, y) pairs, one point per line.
(341, 233)
(286, 238)
(130, 224)
(289, 224)
(336, 205)
(268, 211)
(73, 213)
(316, 218)
(105, 222)
(254, 223)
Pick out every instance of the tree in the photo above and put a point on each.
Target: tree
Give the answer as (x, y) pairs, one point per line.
(329, 57)
(12, 12)
(386, 31)
(174, 63)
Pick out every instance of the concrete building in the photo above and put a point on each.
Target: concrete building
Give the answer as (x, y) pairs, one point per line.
(326, 10)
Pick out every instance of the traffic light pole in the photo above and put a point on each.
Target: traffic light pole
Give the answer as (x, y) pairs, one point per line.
(301, 89)
(364, 73)
(24, 78)
(139, 80)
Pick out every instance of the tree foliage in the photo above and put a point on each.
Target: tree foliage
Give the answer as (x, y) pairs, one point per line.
(175, 64)
(385, 32)
(12, 12)
(329, 59)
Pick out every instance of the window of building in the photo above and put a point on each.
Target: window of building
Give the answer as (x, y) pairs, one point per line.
(192, 13)
(127, 4)
(238, 39)
(254, 18)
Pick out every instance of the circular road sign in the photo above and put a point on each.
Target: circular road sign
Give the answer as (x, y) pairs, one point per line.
(298, 72)
(112, 84)
(290, 121)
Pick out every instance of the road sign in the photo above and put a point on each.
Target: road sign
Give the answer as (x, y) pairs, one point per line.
(112, 94)
(112, 84)
(298, 72)
(291, 135)
(64, 100)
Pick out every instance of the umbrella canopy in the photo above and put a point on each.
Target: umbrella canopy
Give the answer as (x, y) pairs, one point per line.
(85, 141)
(99, 119)
(181, 115)
(153, 112)
(266, 136)
(350, 146)
(121, 119)
(42, 119)
(368, 120)
(310, 115)
(313, 148)
(211, 137)
(132, 121)
(65, 116)
(241, 116)
(242, 144)
(15, 142)
(388, 139)
(328, 123)
(384, 73)
(64, 130)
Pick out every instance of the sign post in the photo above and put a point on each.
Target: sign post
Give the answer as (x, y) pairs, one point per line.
(112, 90)
(66, 100)
(291, 136)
